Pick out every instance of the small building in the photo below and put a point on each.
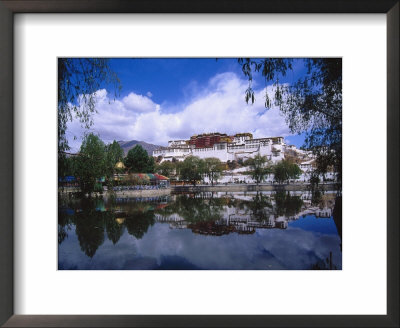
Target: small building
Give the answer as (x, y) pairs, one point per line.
(159, 180)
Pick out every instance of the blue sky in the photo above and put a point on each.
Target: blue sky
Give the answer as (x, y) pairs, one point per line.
(172, 98)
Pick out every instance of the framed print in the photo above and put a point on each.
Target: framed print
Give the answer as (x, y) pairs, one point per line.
(184, 198)
(217, 197)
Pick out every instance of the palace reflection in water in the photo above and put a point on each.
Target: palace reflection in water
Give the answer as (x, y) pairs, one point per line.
(221, 231)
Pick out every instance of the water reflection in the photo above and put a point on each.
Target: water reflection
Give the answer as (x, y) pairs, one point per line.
(284, 230)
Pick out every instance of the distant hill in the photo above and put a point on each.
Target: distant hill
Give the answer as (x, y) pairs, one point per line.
(126, 145)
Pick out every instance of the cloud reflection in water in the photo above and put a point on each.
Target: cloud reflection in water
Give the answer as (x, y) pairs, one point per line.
(305, 242)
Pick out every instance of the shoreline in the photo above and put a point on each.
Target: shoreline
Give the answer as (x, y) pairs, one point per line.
(138, 193)
(122, 193)
(206, 188)
(253, 187)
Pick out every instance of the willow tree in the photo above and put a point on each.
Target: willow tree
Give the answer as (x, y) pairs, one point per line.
(212, 169)
(259, 168)
(191, 169)
(166, 168)
(78, 81)
(285, 170)
(311, 105)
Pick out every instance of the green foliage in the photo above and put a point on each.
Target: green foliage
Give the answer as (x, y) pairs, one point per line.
(212, 169)
(113, 155)
(280, 173)
(258, 168)
(178, 167)
(294, 171)
(67, 166)
(151, 166)
(270, 68)
(249, 162)
(94, 161)
(138, 161)
(166, 168)
(90, 164)
(285, 170)
(191, 169)
(98, 187)
(78, 81)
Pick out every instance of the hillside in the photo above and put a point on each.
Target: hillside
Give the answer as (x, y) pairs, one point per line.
(126, 145)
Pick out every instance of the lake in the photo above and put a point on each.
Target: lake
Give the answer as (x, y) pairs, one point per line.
(202, 231)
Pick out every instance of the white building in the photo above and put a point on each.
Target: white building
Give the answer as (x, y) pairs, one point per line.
(308, 166)
(225, 148)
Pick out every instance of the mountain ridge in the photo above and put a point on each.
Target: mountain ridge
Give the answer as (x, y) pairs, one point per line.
(127, 145)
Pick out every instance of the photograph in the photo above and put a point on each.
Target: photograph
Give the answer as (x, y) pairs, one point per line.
(199, 163)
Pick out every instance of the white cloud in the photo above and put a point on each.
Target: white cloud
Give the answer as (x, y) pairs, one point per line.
(220, 106)
(139, 103)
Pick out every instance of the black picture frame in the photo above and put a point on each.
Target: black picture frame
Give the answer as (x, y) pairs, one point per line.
(10, 7)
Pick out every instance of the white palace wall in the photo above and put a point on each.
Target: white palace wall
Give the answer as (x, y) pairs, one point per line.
(241, 148)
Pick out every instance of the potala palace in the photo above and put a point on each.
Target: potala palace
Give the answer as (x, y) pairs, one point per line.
(225, 148)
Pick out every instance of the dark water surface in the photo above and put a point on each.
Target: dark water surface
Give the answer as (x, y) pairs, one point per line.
(217, 231)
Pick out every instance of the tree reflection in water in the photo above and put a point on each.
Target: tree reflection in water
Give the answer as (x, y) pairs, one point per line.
(138, 222)
(214, 214)
(114, 228)
(286, 204)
